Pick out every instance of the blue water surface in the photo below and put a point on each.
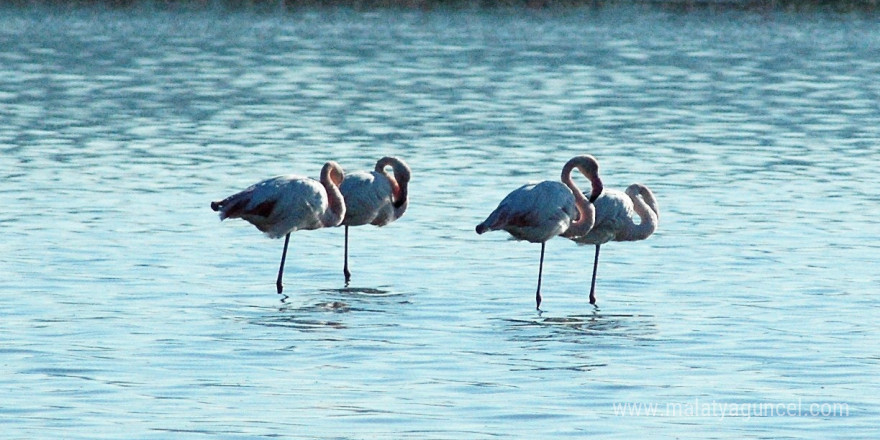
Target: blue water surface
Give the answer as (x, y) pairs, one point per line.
(129, 311)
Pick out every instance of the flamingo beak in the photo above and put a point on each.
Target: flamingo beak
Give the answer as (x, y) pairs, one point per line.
(597, 191)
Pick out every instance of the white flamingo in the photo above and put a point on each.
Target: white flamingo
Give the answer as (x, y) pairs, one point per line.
(284, 204)
(374, 197)
(614, 221)
(537, 212)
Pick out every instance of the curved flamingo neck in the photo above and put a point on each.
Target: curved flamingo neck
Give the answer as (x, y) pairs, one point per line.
(399, 181)
(331, 176)
(647, 210)
(650, 200)
(589, 167)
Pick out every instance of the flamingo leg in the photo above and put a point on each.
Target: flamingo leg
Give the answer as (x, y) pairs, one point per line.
(281, 268)
(345, 270)
(593, 283)
(540, 272)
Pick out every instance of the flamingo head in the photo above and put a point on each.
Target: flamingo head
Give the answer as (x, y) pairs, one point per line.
(589, 167)
(400, 181)
(332, 172)
(635, 190)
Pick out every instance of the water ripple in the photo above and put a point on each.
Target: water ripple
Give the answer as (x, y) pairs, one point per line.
(130, 310)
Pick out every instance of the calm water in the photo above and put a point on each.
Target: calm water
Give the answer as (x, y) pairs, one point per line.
(129, 311)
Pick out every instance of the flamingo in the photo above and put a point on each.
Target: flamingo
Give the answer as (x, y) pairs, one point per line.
(374, 197)
(284, 204)
(537, 212)
(614, 222)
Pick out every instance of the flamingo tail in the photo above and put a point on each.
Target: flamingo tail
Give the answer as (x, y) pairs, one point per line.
(236, 205)
(494, 222)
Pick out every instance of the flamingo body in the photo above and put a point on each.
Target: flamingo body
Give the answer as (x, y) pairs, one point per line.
(613, 210)
(375, 197)
(614, 216)
(369, 199)
(281, 205)
(535, 212)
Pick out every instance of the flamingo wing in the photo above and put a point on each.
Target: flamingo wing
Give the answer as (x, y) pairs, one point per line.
(278, 205)
(534, 212)
(614, 213)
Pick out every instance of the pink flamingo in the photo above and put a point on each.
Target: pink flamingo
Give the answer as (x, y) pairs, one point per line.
(284, 204)
(614, 221)
(540, 211)
(374, 197)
